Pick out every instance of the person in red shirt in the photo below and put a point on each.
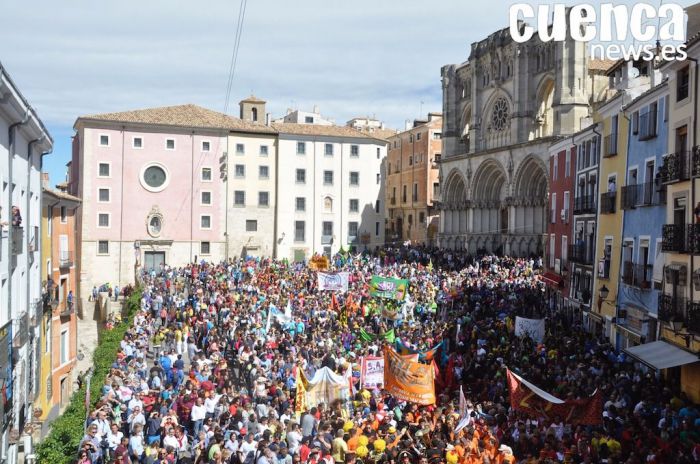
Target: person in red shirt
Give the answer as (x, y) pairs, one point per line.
(121, 453)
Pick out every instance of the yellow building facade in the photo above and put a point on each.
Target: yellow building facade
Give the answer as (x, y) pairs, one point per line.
(613, 126)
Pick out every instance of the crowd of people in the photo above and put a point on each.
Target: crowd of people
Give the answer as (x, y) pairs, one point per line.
(205, 376)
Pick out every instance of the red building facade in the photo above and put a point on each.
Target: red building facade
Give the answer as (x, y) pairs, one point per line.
(562, 170)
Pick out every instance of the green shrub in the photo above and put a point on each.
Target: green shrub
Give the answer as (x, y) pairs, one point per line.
(60, 446)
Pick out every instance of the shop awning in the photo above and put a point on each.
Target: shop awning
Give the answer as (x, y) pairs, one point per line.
(552, 279)
(661, 355)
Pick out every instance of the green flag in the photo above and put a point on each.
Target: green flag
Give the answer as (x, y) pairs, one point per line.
(390, 336)
(364, 335)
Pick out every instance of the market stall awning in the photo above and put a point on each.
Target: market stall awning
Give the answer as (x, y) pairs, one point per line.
(661, 355)
(552, 279)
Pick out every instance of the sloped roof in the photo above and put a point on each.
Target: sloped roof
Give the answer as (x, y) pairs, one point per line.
(319, 130)
(60, 195)
(188, 115)
(596, 64)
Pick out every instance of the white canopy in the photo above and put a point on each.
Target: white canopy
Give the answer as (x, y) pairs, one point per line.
(661, 355)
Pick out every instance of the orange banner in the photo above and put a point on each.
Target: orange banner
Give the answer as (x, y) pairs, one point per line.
(408, 380)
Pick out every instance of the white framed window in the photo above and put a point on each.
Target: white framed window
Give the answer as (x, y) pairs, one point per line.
(354, 151)
(301, 148)
(205, 221)
(327, 177)
(239, 198)
(206, 145)
(299, 231)
(104, 170)
(328, 150)
(264, 172)
(354, 205)
(300, 204)
(103, 194)
(352, 231)
(154, 177)
(240, 149)
(251, 225)
(555, 167)
(103, 247)
(205, 198)
(169, 144)
(554, 208)
(264, 199)
(206, 175)
(301, 176)
(567, 164)
(104, 140)
(204, 248)
(64, 346)
(552, 247)
(264, 150)
(565, 207)
(239, 171)
(103, 220)
(137, 143)
(354, 178)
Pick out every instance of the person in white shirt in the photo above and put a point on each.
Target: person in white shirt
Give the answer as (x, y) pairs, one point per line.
(210, 404)
(114, 437)
(198, 414)
(171, 440)
(294, 438)
(136, 418)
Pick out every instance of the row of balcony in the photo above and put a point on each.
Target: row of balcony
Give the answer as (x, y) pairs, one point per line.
(680, 309)
(681, 238)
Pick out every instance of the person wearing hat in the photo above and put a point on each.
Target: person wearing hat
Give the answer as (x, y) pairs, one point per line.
(505, 455)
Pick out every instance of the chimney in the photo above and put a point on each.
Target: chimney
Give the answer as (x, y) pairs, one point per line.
(268, 118)
(408, 125)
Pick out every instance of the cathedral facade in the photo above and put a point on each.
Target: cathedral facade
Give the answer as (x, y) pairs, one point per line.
(502, 109)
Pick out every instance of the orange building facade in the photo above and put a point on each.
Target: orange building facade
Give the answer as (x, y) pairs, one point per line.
(59, 320)
(412, 187)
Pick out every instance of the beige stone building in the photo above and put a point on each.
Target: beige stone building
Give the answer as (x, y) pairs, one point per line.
(412, 175)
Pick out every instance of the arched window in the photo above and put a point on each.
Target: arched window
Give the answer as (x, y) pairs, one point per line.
(254, 112)
(328, 205)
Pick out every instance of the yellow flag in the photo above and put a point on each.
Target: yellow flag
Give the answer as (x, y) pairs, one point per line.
(300, 397)
(430, 264)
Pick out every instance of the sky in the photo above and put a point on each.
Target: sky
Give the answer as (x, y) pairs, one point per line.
(378, 58)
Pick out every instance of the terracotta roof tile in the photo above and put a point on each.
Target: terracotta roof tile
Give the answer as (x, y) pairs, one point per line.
(319, 130)
(595, 64)
(181, 116)
(253, 99)
(61, 195)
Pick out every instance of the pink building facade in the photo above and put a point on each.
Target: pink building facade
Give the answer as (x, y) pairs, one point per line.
(154, 191)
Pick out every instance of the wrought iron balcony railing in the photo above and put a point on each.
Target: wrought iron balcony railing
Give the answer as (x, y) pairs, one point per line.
(585, 204)
(607, 202)
(580, 254)
(647, 194)
(637, 275)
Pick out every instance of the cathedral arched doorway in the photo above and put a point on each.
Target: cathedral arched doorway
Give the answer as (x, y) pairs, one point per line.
(530, 201)
(489, 191)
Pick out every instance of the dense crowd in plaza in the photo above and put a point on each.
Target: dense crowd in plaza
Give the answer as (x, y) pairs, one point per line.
(206, 376)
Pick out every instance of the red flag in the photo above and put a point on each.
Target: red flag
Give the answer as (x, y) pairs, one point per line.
(530, 399)
(334, 303)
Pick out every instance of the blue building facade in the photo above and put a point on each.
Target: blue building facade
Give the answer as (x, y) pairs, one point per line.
(644, 203)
